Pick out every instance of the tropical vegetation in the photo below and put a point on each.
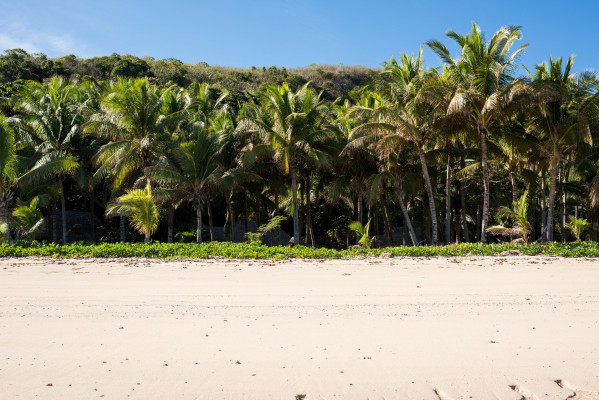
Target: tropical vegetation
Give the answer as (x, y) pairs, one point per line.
(476, 149)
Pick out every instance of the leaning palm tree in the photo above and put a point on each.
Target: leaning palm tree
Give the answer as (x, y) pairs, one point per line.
(139, 205)
(51, 120)
(292, 125)
(8, 170)
(483, 90)
(400, 119)
(519, 216)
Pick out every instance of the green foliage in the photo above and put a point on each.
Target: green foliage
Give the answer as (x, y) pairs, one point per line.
(140, 207)
(577, 226)
(3, 232)
(519, 216)
(272, 224)
(257, 251)
(362, 231)
(28, 219)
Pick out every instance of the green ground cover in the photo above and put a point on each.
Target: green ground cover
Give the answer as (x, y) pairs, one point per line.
(257, 251)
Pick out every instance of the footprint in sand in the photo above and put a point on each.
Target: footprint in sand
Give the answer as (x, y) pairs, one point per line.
(579, 394)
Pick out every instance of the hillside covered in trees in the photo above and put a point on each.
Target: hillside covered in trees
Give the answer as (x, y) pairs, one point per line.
(467, 151)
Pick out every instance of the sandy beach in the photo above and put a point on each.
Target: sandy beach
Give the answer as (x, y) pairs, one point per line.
(399, 328)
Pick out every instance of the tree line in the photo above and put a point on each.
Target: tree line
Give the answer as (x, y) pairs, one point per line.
(467, 151)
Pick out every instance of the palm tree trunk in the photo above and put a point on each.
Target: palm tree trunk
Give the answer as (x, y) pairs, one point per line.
(170, 221)
(463, 197)
(245, 212)
(360, 209)
(551, 205)
(448, 179)
(277, 214)
(388, 234)
(514, 190)
(122, 228)
(199, 220)
(482, 132)
(308, 210)
(64, 211)
(543, 208)
(4, 214)
(295, 205)
(431, 199)
(399, 194)
(231, 216)
(210, 220)
(564, 204)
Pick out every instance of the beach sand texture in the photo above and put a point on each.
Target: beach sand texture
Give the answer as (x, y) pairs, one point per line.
(399, 328)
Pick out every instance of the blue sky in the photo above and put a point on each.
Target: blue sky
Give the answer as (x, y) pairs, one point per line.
(290, 33)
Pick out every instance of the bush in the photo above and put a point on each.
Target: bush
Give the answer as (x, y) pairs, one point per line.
(259, 251)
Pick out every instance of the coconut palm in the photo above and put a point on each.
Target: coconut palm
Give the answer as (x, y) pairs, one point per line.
(292, 125)
(139, 206)
(195, 168)
(519, 216)
(51, 120)
(8, 170)
(401, 119)
(363, 232)
(577, 226)
(27, 219)
(562, 122)
(483, 90)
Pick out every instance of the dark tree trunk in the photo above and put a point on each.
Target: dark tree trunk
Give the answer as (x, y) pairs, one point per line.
(514, 189)
(399, 194)
(231, 217)
(431, 198)
(309, 210)
(482, 132)
(64, 211)
(296, 233)
(448, 179)
(551, 205)
(302, 214)
(543, 208)
(122, 228)
(463, 199)
(171, 220)
(277, 214)
(387, 222)
(199, 221)
(210, 220)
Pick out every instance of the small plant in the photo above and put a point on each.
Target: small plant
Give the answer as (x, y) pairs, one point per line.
(362, 231)
(518, 215)
(138, 205)
(577, 226)
(272, 224)
(27, 219)
(3, 231)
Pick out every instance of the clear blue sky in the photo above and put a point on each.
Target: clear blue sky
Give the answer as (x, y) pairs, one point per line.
(291, 33)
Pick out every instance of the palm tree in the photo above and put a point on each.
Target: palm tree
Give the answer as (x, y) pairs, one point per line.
(50, 122)
(519, 216)
(292, 125)
(8, 170)
(135, 121)
(139, 205)
(195, 169)
(401, 119)
(562, 122)
(577, 226)
(28, 219)
(483, 89)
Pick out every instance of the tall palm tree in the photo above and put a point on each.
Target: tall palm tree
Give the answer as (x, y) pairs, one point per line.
(292, 124)
(562, 122)
(483, 88)
(401, 119)
(8, 169)
(195, 168)
(51, 120)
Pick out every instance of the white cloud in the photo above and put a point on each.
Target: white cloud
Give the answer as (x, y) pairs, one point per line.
(15, 33)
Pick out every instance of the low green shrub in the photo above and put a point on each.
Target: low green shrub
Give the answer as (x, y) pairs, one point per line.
(258, 251)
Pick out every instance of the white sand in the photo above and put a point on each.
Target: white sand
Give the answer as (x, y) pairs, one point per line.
(361, 329)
